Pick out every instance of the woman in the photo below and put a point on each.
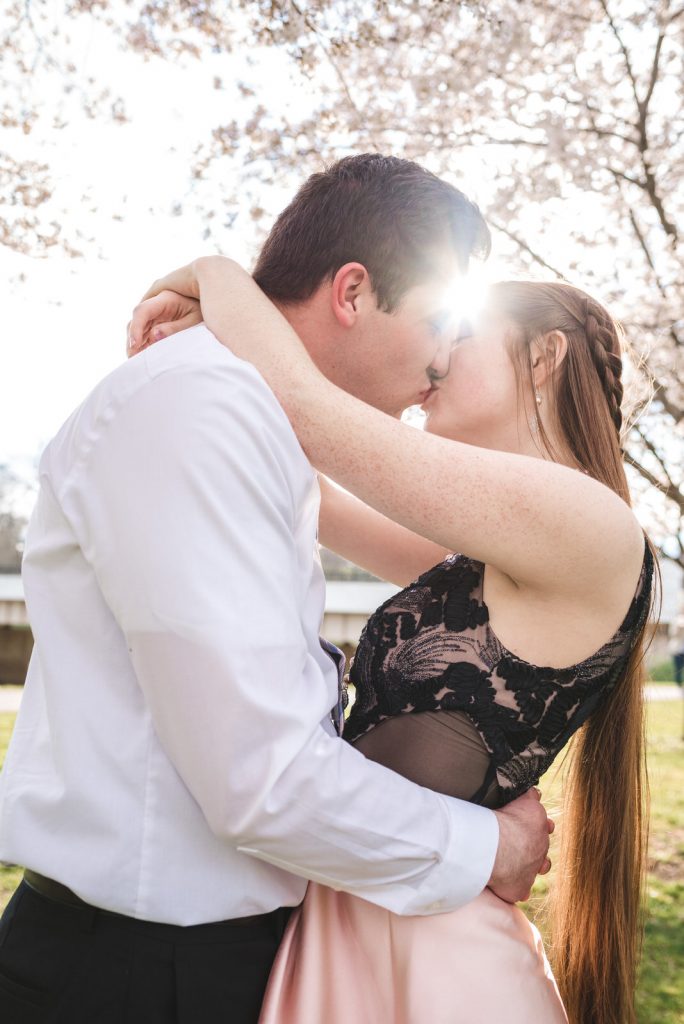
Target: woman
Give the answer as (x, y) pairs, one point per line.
(474, 677)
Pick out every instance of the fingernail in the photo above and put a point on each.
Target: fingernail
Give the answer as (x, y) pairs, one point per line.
(157, 335)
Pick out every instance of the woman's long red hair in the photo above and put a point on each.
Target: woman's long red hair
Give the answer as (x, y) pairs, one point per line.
(597, 918)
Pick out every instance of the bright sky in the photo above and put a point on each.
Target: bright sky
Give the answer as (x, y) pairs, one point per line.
(64, 318)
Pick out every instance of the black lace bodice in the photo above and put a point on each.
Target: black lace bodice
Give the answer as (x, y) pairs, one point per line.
(431, 648)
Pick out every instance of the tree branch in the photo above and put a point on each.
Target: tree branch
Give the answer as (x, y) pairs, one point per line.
(525, 247)
(473, 137)
(658, 457)
(660, 394)
(336, 68)
(652, 191)
(673, 17)
(644, 248)
(671, 493)
(625, 53)
(649, 259)
(643, 106)
(606, 133)
(649, 186)
(626, 177)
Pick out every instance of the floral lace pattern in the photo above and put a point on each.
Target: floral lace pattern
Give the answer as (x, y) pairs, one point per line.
(431, 648)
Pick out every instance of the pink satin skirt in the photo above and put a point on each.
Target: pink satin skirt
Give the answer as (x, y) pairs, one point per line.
(346, 961)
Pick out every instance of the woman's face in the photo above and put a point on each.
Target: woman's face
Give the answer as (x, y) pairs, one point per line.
(478, 401)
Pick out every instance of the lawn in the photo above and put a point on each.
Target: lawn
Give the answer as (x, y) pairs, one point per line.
(661, 994)
(661, 991)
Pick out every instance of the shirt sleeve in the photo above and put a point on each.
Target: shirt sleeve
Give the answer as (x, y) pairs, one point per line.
(185, 506)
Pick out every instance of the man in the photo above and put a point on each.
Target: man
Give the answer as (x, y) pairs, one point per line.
(175, 774)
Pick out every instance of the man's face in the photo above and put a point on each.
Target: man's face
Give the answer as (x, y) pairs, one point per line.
(394, 357)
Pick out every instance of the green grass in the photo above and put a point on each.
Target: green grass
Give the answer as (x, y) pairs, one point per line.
(9, 876)
(660, 998)
(661, 989)
(661, 994)
(6, 723)
(9, 880)
(662, 672)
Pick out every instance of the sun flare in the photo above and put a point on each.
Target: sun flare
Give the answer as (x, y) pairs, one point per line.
(467, 294)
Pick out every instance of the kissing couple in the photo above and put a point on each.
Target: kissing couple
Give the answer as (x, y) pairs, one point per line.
(206, 840)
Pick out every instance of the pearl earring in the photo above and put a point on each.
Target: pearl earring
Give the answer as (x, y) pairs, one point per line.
(538, 398)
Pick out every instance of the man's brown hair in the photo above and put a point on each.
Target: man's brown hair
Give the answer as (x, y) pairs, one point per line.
(388, 214)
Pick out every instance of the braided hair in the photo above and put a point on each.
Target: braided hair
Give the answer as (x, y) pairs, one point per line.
(587, 385)
(605, 348)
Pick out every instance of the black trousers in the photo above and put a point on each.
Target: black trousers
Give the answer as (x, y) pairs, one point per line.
(62, 964)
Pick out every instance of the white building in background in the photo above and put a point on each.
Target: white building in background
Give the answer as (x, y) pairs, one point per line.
(12, 607)
(670, 631)
(348, 605)
(673, 591)
(16, 641)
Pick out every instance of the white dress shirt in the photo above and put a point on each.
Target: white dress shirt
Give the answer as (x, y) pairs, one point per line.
(173, 759)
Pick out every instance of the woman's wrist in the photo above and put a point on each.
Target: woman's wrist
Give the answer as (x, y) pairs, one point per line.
(207, 269)
(240, 315)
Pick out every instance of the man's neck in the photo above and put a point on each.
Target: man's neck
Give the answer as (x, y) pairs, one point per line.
(311, 321)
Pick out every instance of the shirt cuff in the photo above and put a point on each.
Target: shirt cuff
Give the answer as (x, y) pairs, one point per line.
(467, 862)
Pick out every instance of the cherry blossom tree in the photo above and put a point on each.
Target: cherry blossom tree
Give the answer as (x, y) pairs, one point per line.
(568, 116)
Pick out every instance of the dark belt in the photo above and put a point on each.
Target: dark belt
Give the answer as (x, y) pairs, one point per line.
(52, 890)
(59, 893)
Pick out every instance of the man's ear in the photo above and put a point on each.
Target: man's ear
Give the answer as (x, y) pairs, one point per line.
(547, 353)
(350, 289)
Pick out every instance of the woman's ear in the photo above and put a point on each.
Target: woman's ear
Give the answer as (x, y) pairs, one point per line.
(547, 353)
(350, 286)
